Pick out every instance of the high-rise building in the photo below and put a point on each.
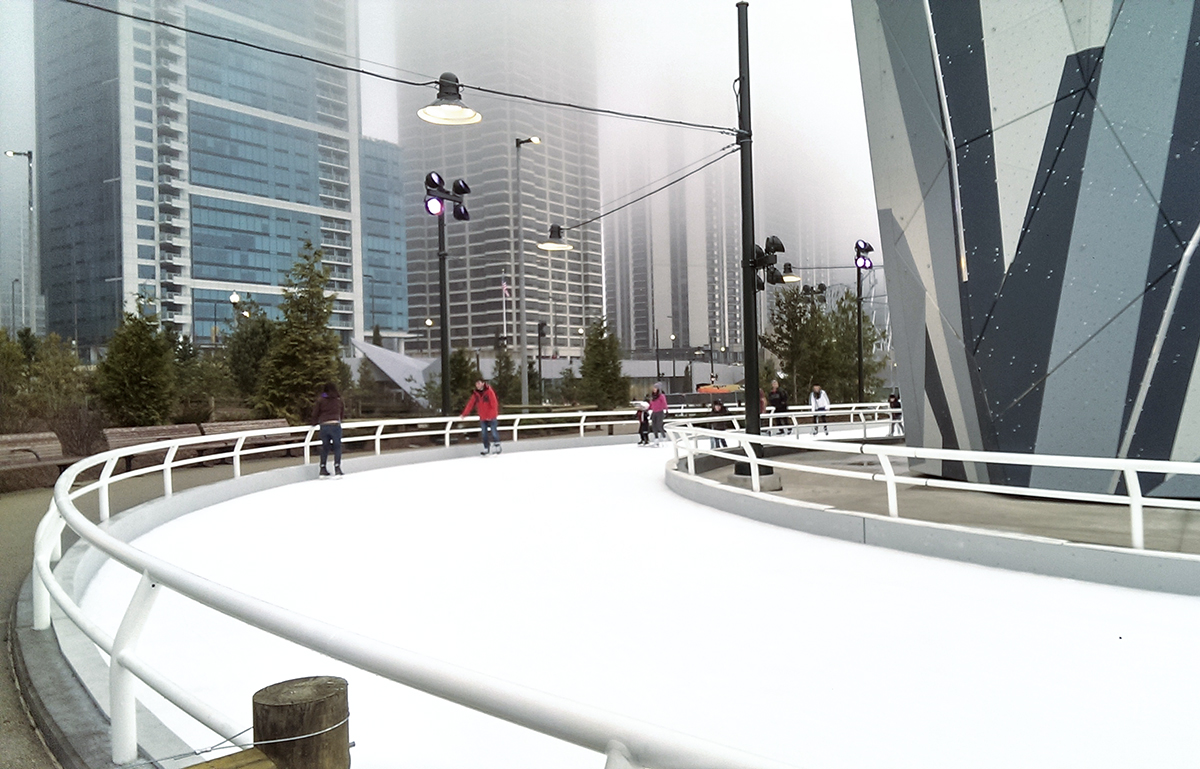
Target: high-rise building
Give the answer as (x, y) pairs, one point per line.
(512, 48)
(179, 165)
(673, 260)
(1035, 170)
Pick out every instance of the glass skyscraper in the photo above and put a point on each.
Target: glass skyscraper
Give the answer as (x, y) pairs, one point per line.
(190, 148)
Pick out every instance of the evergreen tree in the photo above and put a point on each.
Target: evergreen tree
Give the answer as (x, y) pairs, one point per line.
(13, 378)
(304, 353)
(568, 387)
(136, 379)
(816, 342)
(247, 346)
(601, 381)
(505, 379)
(463, 375)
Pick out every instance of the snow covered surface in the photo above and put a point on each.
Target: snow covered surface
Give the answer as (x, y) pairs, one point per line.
(578, 573)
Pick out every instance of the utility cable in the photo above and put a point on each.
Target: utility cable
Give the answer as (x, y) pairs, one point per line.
(728, 150)
(403, 81)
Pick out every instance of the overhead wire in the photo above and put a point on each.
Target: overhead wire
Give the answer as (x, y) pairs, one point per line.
(404, 81)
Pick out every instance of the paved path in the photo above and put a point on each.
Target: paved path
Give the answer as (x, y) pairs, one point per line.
(20, 745)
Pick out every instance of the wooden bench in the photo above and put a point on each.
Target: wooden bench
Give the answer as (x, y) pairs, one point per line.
(221, 428)
(123, 437)
(33, 450)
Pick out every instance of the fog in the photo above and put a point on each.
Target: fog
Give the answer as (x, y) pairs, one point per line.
(677, 59)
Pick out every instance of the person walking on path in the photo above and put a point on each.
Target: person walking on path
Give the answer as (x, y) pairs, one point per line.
(484, 401)
(777, 401)
(643, 418)
(818, 401)
(658, 412)
(718, 409)
(897, 425)
(328, 412)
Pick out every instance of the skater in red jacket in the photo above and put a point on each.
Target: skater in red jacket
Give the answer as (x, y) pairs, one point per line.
(487, 405)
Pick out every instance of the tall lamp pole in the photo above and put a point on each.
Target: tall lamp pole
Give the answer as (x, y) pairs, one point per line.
(26, 258)
(861, 262)
(522, 343)
(436, 198)
(749, 264)
(14, 329)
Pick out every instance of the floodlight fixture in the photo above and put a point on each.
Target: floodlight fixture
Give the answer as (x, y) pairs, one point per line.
(448, 108)
(556, 242)
(788, 275)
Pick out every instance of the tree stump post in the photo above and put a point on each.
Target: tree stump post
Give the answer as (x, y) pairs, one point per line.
(317, 707)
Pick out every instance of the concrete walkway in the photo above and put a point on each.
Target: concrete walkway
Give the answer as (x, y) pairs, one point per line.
(20, 744)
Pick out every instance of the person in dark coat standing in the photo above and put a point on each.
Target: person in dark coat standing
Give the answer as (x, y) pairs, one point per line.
(327, 413)
(487, 405)
(777, 400)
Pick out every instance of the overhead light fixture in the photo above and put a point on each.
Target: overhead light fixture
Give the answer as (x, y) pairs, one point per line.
(448, 108)
(788, 275)
(556, 242)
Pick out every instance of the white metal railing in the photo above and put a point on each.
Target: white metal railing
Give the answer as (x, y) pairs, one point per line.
(693, 438)
(626, 742)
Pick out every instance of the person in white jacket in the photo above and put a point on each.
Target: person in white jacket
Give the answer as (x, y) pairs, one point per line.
(818, 401)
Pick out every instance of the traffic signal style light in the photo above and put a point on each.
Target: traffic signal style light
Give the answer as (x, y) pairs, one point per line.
(437, 196)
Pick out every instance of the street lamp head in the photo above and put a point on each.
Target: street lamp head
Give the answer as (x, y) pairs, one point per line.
(234, 298)
(434, 182)
(863, 262)
(788, 275)
(556, 242)
(460, 187)
(530, 140)
(774, 245)
(448, 108)
(435, 205)
(863, 247)
(429, 322)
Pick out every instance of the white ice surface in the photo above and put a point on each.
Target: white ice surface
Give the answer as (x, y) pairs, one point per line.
(578, 573)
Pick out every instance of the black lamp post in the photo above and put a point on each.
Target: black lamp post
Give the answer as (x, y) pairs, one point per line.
(861, 262)
(436, 198)
(541, 379)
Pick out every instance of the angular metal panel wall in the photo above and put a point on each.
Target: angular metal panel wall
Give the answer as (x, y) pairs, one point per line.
(1037, 172)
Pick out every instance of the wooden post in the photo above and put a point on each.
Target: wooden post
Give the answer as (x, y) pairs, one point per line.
(316, 706)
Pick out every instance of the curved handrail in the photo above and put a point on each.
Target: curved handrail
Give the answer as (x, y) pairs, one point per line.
(624, 740)
(686, 437)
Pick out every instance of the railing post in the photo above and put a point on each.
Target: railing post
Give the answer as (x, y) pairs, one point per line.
(308, 445)
(617, 757)
(102, 497)
(237, 457)
(893, 507)
(446, 436)
(516, 424)
(379, 440)
(168, 481)
(122, 699)
(691, 457)
(47, 545)
(1136, 523)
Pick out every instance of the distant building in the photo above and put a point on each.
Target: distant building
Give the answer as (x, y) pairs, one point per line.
(1036, 170)
(673, 261)
(559, 178)
(181, 168)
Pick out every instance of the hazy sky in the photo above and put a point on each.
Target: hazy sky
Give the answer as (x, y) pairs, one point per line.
(670, 58)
